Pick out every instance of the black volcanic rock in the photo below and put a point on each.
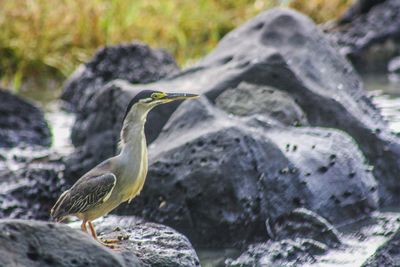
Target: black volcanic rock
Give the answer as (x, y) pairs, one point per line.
(21, 123)
(133, 62)
(32, 243)
(154, 244)
(31, 180)
(386, 255)
(279, 253)
(303, 223)
(369, 34)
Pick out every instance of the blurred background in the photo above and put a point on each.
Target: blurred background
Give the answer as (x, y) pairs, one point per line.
(42, 41)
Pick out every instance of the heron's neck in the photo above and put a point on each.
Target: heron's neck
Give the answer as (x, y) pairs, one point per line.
(132, 134)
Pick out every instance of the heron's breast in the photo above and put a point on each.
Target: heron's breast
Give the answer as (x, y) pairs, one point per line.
(134, 179)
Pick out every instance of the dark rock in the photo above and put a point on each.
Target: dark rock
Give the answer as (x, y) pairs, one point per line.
(280, 253)
(31, 180)
(217, 178)
(154, 244)
(280, 49)
(369, 34)
(303, 223)
(134, 62)
(33, 243)
(248, 99)
(358, 8)
(386, 255)
(21, 123)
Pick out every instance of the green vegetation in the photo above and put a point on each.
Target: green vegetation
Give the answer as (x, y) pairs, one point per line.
(46, 38)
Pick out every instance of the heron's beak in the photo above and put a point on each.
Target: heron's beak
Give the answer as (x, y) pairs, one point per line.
(178, 96)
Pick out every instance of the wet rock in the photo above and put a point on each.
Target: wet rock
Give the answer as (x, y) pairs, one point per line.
(133, 62)
(217, 178)
(280, 253)
(303, 223)
(31, 180)
(386, 255)
(394, 69)
(154, 244)
(368, 34)
(280, 49)
(21, 123)
(248, 99)
(33, 243)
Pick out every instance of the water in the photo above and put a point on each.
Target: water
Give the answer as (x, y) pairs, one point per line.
(360, 239)
(46, 96)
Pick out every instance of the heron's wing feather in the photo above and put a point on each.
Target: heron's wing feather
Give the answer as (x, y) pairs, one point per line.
(90, 193)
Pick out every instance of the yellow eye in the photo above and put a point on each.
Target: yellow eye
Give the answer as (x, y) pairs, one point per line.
(157, 95)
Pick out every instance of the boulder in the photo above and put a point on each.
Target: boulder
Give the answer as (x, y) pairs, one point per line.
(388, 254)
(133, 62)
(248, 99)
(280, 49)
(288, 252)
(154, 244)
(303, 223)
(217, 178)
(21, 122)
(368, 34)
(31, 180)
(34, 243)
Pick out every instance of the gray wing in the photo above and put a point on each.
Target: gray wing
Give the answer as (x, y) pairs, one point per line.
(84, 195)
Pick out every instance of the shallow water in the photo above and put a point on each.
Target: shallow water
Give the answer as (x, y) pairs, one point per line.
(360, 239)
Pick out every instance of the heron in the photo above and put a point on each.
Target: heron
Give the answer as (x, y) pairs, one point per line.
(119, 178)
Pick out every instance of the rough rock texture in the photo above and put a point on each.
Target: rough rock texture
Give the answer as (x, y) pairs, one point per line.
(369, 34)
(387, 255)
(33, 243)
(281, 253)
(303, 223)
(133, 62)
(21, 123)
(154, 244)
(248, 99)
(217, 178)
(31, 180)
(280, 49)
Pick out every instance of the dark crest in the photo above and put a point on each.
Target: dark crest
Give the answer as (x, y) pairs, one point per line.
(141, 95)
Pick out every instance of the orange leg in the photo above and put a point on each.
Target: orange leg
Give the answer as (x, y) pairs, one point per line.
(107, 243)
(92, 230)
(83, 226)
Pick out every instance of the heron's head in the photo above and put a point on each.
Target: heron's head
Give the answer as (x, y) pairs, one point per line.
(148, 99)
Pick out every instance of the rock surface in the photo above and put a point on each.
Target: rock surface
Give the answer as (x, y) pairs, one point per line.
(31, 180)
(280, 49)
(133, 62)
(21, 123)
(154, 244)
(303, 223)
(33, 243)
(388, 254)
(248, 99)
(217, 178)
(281, 253)
(368, 34)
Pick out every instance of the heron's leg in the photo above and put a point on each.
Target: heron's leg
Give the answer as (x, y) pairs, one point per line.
(92, 230)
(83, 226)
(106, 243)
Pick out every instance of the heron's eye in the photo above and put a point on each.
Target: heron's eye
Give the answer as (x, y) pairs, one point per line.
(158, 95)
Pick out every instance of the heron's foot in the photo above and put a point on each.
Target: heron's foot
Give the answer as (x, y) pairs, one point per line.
(109, 241)
(120, 237)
